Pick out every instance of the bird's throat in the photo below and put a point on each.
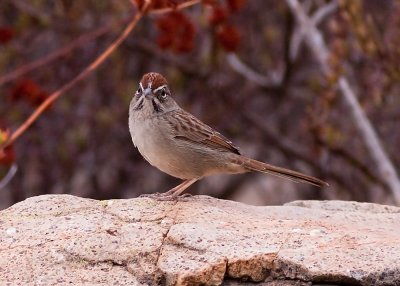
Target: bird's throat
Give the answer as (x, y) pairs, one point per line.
(157, 108)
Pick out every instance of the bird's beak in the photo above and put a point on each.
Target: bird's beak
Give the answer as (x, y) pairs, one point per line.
(148, 93)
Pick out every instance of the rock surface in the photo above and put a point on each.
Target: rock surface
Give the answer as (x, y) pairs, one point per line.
(61, 239)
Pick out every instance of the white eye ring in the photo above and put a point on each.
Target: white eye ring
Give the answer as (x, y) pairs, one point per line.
(163, 94)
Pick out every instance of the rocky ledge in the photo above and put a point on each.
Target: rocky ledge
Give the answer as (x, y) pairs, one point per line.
(62, 239)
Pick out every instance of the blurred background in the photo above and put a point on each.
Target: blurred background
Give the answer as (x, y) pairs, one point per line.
(240, 66)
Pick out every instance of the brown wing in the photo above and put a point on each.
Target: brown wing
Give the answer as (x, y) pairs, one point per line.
(189, 128)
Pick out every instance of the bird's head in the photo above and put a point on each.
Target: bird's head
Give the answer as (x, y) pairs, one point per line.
(153, 96)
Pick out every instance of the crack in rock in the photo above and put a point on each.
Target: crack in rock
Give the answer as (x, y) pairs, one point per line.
(165, 235)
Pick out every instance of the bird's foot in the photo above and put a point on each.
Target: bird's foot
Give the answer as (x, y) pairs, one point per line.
(166, 196)
(173, 194)
(160, 196)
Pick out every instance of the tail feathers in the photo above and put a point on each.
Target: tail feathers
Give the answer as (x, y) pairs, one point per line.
(254, 165)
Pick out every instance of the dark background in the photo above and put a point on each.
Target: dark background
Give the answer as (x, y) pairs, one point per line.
(293, 116)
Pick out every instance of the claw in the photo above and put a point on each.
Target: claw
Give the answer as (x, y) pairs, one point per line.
(166, 197)
(149, 195)
(173, 194)
(160, 197)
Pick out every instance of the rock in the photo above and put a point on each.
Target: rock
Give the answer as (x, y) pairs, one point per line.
(62, 239)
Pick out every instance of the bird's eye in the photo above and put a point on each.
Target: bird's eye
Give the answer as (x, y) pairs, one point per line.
(163, 94)
(139, 91)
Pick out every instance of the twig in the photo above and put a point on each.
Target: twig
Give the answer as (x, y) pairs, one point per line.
(323, 12)
(27, 8)
(317, 45)
(77, 43)
(240, 67)
(10, 174)
(57, 54)
(291, 150)
(179, 7)
(352, 160)
(284, 145)
(276, 80)
(316, 19)
(55, 95)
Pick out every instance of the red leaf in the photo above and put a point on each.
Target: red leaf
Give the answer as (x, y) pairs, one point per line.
(176, 32)
(229, 37)
(27, 89)
(4, 134)
(157, 4)
(235, 5)
(7, 155)
(6, 34)
(210, 2)
(219, 15)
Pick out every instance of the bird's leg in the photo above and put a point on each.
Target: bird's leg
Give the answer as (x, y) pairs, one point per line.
(172, 193)
(179, 189)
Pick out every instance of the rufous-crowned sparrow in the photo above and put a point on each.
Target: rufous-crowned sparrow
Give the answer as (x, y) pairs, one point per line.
(182, 146)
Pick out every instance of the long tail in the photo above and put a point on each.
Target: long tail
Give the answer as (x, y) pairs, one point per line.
(254, 165)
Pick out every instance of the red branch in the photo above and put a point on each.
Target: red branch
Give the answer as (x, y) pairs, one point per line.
(57, 54)
(179, 7)
(79, 42)
(99, 60)
(55, 95)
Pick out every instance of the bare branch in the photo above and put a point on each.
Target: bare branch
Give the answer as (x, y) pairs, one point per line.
(77, 43)
(324, 12)
(55, 95)
(179, 7)
(316, 19)
(240, 67)
(297, 40)
(27, 8)
(57, 54)
(317, 45)
(292, 150)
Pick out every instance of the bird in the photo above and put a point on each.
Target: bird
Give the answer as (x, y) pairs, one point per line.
(181, 145)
